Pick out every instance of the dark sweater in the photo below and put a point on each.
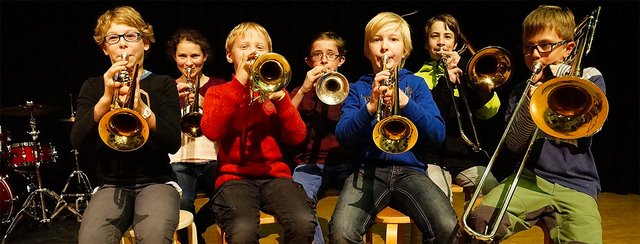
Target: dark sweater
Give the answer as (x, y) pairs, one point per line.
(148, 164)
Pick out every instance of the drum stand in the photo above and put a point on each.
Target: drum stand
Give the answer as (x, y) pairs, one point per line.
(35, 200)
(83, 182)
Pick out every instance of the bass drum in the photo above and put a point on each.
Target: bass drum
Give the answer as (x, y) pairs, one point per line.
(13, 189)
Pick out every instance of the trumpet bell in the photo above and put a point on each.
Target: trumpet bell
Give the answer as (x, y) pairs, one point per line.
(270, 73)
(395, 134)
(332, 88)
(569, 107)
(490, 68)
(190, 124)
(123, 130)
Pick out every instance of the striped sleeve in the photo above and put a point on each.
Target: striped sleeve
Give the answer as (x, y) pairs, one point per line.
(521, 130)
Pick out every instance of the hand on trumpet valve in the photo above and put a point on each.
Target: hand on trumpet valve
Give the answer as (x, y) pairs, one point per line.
(184, 90)
(311, 79)
(277, 96)
(246, 61)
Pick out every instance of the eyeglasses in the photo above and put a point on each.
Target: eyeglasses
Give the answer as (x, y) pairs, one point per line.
(129, 37)
(318, 56)
(542, 47)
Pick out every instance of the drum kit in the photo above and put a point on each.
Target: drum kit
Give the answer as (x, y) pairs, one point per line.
(21, 189)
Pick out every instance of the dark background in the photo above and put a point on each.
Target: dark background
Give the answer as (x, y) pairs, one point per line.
(47, 52)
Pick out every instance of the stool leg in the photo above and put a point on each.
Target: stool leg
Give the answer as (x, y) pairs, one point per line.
(193, 238)
(368, 238)
(220, 233)
(392, 234)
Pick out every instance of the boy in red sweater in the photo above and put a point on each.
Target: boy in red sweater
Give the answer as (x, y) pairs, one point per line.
(252, 174)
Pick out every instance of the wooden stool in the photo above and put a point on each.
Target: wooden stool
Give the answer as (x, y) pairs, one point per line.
(186, 220)
(393, 218)
(264, 219)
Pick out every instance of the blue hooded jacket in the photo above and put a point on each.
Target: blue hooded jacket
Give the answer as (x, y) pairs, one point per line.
(356, 124)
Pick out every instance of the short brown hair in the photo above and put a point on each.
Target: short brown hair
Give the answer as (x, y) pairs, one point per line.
(125, 15)
(549, 18)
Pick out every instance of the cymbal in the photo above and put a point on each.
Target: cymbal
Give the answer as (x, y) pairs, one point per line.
(26, 110)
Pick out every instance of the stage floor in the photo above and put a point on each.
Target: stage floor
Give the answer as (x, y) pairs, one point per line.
(620, 214)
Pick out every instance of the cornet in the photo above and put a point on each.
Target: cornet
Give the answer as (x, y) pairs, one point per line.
(332, 88)
(123, 128)
(191, 115)
(268, 74)
(393, 133)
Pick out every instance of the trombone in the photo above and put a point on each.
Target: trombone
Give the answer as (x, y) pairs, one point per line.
(191, 115)
(268, 74)
(123, 128)
(332, 88)
(393, 133)
(488, 69)
(562, 117)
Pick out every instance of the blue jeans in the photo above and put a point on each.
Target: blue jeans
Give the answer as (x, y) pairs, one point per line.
(236, 205)
(191, 178)
(370, 189)
(316, 179)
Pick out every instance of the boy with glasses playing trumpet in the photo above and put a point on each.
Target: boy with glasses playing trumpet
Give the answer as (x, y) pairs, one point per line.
(322, 162)
(560, 185)
(136, 188)
(252, 174)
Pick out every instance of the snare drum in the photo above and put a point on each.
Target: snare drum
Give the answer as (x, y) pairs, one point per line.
(25, 154)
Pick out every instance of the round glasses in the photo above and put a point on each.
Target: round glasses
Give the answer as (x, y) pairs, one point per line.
(318, 56)
(129, 37)
(542, 47)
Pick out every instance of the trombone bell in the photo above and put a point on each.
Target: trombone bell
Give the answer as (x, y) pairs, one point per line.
(490, 67)
(569, 107)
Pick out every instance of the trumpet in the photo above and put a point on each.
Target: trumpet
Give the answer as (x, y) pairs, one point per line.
(393, 133)
(191, 114)
(269, 73)
(123, 128)
(552, 112)
(332, 88)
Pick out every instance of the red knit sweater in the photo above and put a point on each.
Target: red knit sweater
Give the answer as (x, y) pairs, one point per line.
(248, 136)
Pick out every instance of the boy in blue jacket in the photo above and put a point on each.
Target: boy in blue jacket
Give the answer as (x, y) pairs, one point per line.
(390, 179)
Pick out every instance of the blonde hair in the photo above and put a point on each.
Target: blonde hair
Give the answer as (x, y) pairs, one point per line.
(124, 15)
(385, 19)
(549, 18)
(242, 28)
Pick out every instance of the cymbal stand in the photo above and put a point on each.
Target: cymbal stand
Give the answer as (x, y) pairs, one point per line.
(83, 182)
(32, 122)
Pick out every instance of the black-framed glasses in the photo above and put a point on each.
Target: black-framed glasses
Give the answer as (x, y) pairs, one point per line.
(129, 37)
(317, 56)
(542, 47)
